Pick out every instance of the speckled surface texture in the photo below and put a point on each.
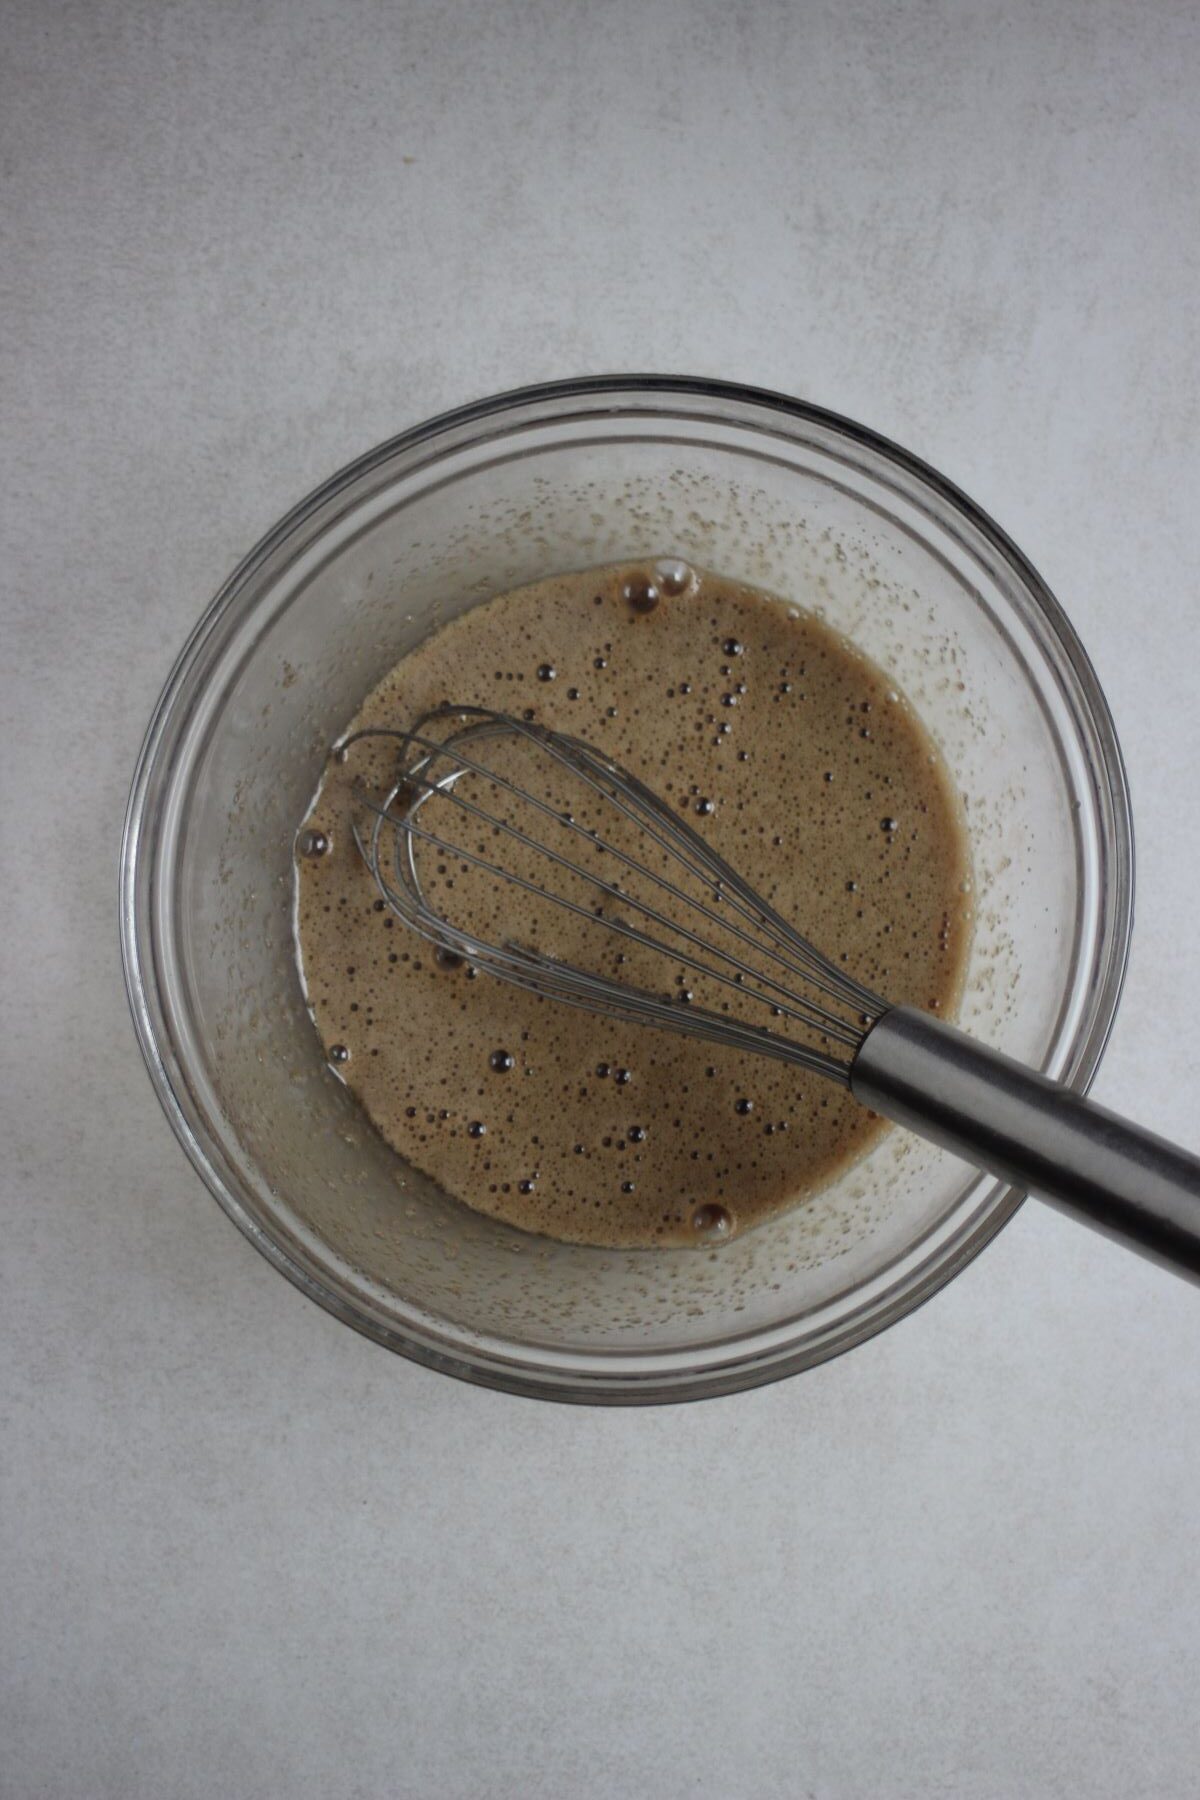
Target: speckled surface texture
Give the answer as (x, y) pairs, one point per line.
(245, 1551)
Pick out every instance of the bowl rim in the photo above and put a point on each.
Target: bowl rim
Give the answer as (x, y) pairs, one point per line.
(1084, 1054)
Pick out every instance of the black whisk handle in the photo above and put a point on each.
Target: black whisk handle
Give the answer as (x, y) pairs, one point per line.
(1035, 1133)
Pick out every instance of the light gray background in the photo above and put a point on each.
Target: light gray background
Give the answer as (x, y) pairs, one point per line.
(247, 1553)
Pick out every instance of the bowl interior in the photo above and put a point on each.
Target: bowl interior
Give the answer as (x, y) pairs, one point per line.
(438, 522)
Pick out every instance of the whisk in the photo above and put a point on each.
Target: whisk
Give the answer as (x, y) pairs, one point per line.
(569, 835)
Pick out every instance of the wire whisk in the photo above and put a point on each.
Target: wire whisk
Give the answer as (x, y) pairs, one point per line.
(625, 910)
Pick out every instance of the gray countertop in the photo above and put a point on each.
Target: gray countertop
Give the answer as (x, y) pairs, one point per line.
(245, 1552)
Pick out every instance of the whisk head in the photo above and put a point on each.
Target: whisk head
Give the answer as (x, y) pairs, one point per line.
(534, 857)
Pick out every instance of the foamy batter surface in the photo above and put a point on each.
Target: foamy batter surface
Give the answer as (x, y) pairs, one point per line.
(795, 758)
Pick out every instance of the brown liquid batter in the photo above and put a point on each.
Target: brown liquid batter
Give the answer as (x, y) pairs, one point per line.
(795, 758)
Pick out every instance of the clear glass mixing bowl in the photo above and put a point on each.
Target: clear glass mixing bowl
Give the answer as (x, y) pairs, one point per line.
(761, 488)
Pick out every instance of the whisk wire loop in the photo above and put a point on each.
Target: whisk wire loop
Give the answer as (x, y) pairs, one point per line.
(431, 771)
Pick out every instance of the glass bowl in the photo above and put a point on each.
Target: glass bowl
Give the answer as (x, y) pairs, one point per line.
(763, 489)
